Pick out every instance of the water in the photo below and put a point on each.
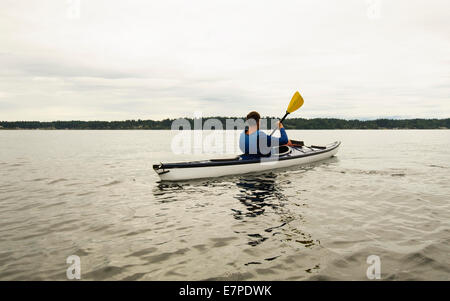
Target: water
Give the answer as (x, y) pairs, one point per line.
(95, 195)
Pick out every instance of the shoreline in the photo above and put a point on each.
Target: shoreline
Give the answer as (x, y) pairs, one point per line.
(288, 129)
(224, 123)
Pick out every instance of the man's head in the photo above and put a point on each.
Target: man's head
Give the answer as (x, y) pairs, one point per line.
(253, 119)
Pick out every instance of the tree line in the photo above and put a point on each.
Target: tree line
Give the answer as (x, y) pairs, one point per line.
(291, 123)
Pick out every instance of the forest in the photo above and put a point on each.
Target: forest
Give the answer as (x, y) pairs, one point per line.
(290, 123)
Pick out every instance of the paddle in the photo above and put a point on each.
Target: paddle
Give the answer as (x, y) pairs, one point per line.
(296, 102)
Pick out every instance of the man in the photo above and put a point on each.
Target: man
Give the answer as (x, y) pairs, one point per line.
(255, 142)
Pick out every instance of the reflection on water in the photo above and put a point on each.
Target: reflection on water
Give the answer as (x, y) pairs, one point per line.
(256, 193)
(262, 192)
(167, 192)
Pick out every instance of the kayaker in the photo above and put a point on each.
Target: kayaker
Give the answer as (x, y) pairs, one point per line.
(254, 142)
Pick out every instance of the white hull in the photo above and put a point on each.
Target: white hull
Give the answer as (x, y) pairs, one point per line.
(178, 174)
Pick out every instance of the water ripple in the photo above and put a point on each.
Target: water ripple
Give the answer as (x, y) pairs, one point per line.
(96, 196)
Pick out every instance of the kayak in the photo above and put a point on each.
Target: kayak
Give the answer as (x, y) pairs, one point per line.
(286, 156)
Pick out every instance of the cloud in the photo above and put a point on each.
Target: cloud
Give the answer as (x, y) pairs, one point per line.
(140, 59)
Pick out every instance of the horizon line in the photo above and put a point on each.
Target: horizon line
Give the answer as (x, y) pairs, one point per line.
(228, 117)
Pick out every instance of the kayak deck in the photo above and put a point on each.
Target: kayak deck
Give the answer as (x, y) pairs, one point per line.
(289, 156)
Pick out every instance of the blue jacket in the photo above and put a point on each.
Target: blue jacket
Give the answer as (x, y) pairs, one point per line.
(249, 143)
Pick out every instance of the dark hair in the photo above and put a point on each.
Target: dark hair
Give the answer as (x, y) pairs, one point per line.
(255, 116)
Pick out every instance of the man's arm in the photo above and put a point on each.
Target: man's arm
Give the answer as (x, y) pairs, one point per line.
(281, 141)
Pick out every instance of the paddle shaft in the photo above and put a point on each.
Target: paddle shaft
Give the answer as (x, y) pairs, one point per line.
(281, 121)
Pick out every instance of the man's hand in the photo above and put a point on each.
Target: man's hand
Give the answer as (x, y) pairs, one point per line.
(280, 125)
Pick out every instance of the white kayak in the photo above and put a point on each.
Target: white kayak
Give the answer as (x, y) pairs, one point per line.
(287, 157)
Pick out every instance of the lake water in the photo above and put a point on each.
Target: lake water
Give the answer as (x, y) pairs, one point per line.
(94, 194)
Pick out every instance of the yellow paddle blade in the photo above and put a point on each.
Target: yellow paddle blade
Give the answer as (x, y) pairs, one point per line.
(296, 102)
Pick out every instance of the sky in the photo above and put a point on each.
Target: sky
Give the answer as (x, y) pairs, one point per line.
(118, 60)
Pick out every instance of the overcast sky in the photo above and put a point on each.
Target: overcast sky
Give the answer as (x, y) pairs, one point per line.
(130, 59)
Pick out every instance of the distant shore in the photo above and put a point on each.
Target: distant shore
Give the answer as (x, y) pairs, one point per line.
(291, 123)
